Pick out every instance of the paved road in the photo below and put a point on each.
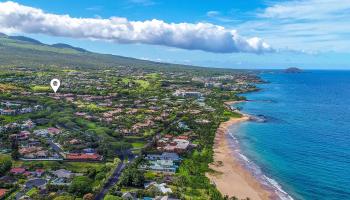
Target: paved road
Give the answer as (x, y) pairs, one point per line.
(111, 182)
(55, 146)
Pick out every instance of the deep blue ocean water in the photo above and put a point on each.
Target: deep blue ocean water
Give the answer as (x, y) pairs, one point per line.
(305, 143)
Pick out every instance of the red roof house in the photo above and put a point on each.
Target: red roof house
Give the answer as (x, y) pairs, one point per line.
(17, 170)
(27, 173)
(3, 192)
(182, 137)
(168, 136)
(84, 156)
(39, 172)
(53, 131)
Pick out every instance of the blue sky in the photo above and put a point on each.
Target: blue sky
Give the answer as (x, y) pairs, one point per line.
(304, 33)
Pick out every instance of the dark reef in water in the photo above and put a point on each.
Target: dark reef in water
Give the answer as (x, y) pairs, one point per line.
(258, 118)
(264, 119)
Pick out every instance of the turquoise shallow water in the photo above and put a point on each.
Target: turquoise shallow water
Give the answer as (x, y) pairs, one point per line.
(305, 143)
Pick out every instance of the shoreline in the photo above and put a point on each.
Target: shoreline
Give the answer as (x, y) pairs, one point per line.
(229, 176)
(233, 173)
(230, 103)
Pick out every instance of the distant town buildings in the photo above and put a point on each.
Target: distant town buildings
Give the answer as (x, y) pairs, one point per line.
(183, 93)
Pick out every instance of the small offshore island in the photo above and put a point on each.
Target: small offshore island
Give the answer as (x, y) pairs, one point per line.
(293, 70)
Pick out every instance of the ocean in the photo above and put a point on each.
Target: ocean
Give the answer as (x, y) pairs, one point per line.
(303, 147)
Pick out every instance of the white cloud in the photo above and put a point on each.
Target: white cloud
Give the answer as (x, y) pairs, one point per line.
(307, 9)
(94, 8)
(213, 13)
(218, 16)
(309, 25)
(201, 36)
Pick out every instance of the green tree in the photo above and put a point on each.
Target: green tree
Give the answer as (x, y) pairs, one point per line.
(5, 164)
(15, 154)
(111, 197)
(65, 197)
(81, 185)
(132, 177)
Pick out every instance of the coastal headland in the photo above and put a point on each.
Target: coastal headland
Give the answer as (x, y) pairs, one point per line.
(229, 176)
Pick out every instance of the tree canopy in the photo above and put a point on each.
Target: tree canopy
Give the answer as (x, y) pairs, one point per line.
(81, 185)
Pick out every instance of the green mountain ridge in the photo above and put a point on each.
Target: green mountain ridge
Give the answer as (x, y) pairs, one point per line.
(62, 45)
(25, 39)
(27, 52)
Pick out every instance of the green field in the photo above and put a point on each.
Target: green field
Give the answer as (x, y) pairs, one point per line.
(78, 167)
(41, 88)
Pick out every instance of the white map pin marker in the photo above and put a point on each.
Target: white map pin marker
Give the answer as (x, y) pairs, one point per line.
(55, 84)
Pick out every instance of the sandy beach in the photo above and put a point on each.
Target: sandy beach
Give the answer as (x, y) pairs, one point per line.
(230, 177)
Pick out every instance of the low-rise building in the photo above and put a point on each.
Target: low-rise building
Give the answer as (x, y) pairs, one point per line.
(17, 170)
(62, 173)
(166, 166)
(183, 93)
(173, 145)
(163, 189)
(3, 192)
(23, 135)
(84, 156)
(7, 112)
(164, 156)
(41, 133)
(61, 182)
(53, 131)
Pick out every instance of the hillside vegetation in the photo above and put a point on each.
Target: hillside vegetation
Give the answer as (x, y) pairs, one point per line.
(26, 52)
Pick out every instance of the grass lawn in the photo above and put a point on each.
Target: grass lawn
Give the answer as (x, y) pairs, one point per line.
(82, 166)
(153, 76)
(138, 144)
(149, 175)
(42, 74)
(8, 88)
(136, 151)
(4, 157)
(41, 88)
(91, 106)
(143, 84)
(32, 191)
(10, 119)
(148, 133)
(126, 80)
(133, 137)
(231, 114)
(78, 167)
(128, 189)
(69, 70)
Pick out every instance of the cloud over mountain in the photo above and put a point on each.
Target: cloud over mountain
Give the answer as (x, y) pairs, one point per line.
(200, 36)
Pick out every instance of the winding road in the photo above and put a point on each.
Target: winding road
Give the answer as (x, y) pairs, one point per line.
(111, 182)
